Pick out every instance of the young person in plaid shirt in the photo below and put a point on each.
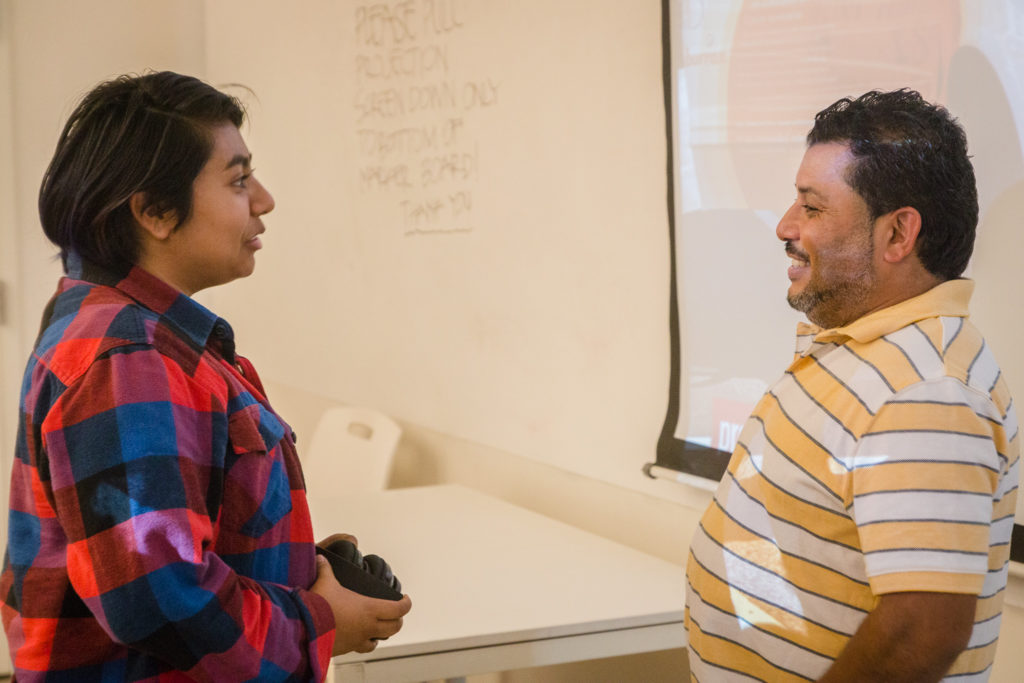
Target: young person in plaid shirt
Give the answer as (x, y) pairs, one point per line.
(158, 521)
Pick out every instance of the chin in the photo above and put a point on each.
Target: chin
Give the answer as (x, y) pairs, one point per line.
(246, 269)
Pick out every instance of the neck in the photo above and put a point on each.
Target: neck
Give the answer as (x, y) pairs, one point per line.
(898, 286)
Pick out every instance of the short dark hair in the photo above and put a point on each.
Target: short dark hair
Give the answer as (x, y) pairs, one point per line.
(149, 133)
(908, 152)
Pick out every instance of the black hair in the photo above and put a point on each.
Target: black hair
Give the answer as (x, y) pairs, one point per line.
(149, 133)
(908, 152)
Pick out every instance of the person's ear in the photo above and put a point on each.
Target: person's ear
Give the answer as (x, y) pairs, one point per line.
(902, 228)
(158, 224)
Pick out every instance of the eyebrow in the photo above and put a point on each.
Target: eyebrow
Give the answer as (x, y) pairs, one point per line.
(810, 191)
(243, 160)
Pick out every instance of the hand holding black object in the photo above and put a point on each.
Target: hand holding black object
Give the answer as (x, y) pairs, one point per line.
(369, 575)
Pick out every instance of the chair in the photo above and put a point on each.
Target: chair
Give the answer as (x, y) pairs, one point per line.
(351, 451)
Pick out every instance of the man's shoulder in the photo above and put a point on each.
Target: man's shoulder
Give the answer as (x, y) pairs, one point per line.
(949, 346)
(928, 354)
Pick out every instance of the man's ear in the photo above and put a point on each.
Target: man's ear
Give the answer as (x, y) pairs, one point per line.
(157, 224)
(902, 228)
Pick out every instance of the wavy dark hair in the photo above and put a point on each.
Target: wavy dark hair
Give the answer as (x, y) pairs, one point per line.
(149, 133)
(908, 152)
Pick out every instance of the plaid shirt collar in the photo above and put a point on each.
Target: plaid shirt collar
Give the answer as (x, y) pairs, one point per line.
(197, 323)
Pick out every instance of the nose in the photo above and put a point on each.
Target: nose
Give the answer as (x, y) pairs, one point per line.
(787, 229)
(261, 202)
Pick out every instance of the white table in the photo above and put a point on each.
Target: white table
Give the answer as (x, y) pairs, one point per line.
(496, 587)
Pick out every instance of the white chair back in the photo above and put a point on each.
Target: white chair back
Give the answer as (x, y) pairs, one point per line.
(351, 451)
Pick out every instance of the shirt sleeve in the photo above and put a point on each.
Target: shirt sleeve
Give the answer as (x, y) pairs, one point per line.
(137, 452)
(927, 487)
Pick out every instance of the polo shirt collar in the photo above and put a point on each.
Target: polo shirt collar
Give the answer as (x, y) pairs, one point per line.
(198, 324)
(949, 298)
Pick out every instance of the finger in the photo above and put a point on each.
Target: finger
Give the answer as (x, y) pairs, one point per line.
(386, 629)
(402, 607)
(367, 646)
(338, 537)
(393, 609)
(324, 569)
(386, 610)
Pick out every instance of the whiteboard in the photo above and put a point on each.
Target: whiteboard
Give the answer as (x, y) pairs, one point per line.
(471, 230)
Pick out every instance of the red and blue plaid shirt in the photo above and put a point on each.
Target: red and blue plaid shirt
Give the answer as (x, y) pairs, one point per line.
(158, 528)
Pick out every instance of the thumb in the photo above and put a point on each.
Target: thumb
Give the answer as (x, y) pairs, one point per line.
(324, 574)
(323, 568)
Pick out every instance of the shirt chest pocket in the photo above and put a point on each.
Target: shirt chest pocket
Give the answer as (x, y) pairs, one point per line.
(258, 478)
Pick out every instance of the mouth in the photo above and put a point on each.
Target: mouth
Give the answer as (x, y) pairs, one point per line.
(255, 242)
(799, 262)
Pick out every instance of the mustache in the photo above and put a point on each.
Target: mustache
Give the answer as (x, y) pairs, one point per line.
(793, 252)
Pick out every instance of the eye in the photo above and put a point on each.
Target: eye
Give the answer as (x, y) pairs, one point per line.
(810, 210)
(242, 180)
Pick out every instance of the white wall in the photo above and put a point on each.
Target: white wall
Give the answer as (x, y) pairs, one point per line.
(8, 266)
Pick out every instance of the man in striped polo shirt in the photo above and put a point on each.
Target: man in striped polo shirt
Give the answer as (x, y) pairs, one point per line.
(861, 532)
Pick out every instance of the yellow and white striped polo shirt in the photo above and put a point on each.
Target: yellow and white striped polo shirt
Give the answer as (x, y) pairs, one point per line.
(884, 460)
